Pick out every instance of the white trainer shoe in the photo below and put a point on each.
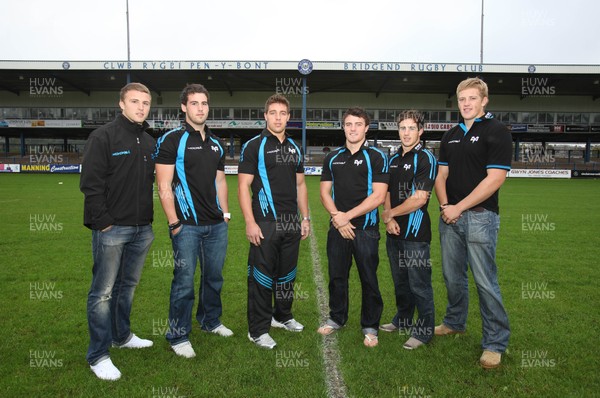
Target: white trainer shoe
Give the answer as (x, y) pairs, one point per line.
(263, 341)
(106, 370)
(184, 349)
(292, 325)
(136, 342)
(222, 330)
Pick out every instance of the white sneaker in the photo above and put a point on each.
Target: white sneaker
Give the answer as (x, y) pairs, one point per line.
(136, 342)
(263, 341)
(222, 330)
(184, 349)
(292, 325)
(106, 370)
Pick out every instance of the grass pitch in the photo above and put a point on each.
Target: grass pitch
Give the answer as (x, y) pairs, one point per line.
(547, 263)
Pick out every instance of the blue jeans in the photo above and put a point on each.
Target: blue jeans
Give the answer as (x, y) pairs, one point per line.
(119, 256)
(208, 245)
(410, 263)
(472, 240)
(365, 249)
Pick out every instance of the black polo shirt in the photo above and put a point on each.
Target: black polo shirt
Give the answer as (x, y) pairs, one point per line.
(469, 154)
(353, 176)
(414, 171)
(194, 181)
(274, 165)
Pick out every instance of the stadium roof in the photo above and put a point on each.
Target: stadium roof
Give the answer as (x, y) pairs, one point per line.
(336, 77)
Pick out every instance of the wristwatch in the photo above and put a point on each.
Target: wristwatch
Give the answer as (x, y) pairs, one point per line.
(306, 219)
(227, 215)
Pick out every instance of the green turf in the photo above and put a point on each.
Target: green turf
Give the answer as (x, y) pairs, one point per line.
(547, 248)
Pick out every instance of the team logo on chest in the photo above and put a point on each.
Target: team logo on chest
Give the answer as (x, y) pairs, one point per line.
(214, 148)
(358, 162)
(407, 167)
(474, 139)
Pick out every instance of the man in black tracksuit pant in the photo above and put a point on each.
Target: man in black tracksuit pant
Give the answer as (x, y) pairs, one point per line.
(271, 165)
(116, 178)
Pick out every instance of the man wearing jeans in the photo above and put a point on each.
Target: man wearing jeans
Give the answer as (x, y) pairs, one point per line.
(412, 176)
(116, 178)
(474, 159)
(353, 184)
(193, 193)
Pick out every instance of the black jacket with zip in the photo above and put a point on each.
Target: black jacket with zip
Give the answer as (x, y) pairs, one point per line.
(117, 175)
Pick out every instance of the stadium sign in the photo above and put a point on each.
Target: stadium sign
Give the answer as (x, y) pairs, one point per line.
(439, 126)
(308, 170)
(65, 168)
(236, 124)
(313, 170)
(539, 173)
(93, 124)
(164, 124)
(538, 128)
(48, 123)
(231, 169)
(168, 65)
(324, 125)
(35, 168)
(518, 128)
(586, 173)
(578, 129)
(10, 168)
(388, 126)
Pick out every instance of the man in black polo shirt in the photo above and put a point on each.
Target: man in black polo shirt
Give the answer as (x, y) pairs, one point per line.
(193, 194)
(353, 184)
(272, 166)
(412, 176)
(474, 159)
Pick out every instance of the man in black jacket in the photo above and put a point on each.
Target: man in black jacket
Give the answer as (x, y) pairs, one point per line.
(116, 178)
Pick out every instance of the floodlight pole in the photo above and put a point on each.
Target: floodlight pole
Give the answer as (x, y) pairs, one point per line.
(128, 47)
(481, 49)
(304, 116)
(304, 67)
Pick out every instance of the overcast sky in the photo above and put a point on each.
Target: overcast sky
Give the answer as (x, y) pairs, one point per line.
(515, 31)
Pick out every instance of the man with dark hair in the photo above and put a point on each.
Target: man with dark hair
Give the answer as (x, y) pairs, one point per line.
(116, 178)
(412, 176)
(272, 167)
(193, 194)
(474, 159)
(353, 184)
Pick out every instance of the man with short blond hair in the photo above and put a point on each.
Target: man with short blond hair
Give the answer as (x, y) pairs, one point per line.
(475, 157)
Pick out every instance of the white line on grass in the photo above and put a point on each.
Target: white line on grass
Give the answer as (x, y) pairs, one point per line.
(331, 356)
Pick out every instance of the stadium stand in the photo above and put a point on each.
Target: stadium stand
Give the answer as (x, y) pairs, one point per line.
(47, 109)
